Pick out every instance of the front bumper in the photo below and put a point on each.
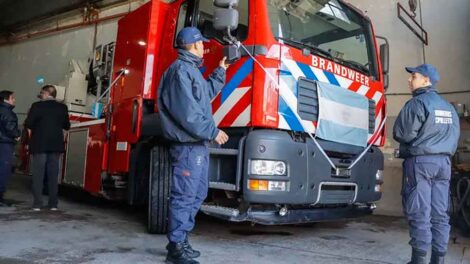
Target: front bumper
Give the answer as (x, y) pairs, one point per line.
(309, 178)
(295, 216)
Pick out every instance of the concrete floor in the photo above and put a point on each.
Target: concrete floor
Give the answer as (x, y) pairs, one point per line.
(95, 231)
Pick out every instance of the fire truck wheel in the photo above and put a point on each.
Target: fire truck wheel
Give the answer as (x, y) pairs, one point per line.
(159, 190)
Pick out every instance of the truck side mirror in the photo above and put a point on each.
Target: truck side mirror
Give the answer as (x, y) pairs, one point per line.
(225, 19)
(385, 57)
(386, 81)
(226, 3)
(226, 16)
(385, 61)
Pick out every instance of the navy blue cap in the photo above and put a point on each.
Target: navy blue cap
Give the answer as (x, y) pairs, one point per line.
(427, 70)
(189, 35)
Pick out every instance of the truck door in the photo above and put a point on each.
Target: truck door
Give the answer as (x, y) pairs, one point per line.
(137, 50)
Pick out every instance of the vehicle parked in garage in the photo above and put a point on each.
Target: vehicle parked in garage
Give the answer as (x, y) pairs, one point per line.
(304, 107)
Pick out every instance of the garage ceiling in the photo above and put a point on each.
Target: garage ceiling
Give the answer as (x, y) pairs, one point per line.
(18, 13)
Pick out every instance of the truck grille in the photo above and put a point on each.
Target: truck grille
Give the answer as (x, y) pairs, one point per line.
(337, 193)
(307, 107)
(371, 116)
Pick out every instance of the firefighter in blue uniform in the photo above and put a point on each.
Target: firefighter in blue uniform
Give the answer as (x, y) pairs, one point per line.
(427, 129)
(184, 103)
(9, 135)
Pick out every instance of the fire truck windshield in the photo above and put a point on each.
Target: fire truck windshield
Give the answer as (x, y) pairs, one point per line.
(327, 28)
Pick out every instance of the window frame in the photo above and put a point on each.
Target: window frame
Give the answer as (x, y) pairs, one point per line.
(192, 15)
(365, 27)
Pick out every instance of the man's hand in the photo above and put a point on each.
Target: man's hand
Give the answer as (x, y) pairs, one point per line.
(223, 63)
(221, 138)
(18, 139)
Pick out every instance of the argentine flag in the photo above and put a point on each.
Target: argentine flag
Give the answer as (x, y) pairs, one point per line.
(343, 115)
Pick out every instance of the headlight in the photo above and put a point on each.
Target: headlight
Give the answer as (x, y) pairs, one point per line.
(378, 188)
(379, 176)
(268, 167)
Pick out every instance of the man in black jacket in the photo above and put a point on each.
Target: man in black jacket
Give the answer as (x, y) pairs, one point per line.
(9, 134)
(46, 122)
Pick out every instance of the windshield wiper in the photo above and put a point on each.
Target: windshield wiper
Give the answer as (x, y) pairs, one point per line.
(307, 46)
(356, 65)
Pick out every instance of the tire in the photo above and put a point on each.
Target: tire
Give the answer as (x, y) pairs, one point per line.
(159, 190)
(139, 173)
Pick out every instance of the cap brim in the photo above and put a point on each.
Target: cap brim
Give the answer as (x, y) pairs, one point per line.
(411, 69)
(205, 40)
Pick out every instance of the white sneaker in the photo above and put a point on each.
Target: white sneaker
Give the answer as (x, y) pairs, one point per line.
(36, 209)
(53, 209)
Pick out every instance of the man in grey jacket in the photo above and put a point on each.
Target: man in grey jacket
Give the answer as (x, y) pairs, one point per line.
(184, 103)
(427, 129)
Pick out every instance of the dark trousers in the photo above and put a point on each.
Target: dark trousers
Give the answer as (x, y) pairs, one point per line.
(189, 188)
(426, 200)
(45, 164)
(6, 158)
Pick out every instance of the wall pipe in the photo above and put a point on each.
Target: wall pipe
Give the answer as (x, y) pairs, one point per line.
(56, 30)
(409, 94)
(421, 20)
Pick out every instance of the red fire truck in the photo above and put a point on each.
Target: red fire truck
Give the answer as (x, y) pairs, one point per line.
(276, 168)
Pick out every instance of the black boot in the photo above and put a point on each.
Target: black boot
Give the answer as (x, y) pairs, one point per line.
(192, 253)
(177, 254)
(418, 257)
(437, 257)
(2, 201)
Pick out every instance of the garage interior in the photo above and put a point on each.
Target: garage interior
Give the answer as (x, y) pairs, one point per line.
(46, 42)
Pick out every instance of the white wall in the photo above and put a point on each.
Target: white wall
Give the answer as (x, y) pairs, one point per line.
(447, 24)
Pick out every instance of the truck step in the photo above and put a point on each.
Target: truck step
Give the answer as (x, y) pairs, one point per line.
(223, 151)
(223, 186)
(220, 210)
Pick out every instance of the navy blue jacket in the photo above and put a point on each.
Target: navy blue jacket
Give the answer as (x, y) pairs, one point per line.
(184, 100)
(8, 124)
(427, 125)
